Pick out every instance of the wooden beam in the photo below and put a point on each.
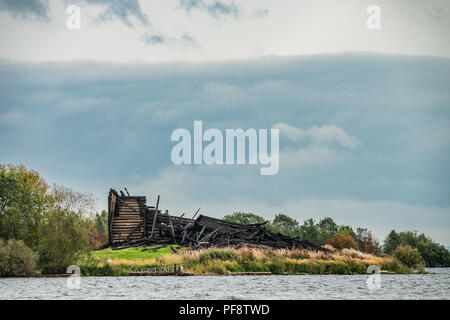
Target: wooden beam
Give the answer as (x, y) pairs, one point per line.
(134, 230)
(171, 226)
(195, 213)
(209, 235)
(203, 229)
(154, 217)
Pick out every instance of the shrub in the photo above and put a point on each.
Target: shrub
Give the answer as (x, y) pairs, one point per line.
(341, 241)
(277, 266)
(352, 253)
(338, 267)
(218, 255)
(16, 259)
(408, 256)
(393, 265)
(62, 240)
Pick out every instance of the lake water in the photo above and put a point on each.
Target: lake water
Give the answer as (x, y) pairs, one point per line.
(428, 286)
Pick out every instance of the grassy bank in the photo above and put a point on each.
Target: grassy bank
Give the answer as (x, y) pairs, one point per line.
(226, 261)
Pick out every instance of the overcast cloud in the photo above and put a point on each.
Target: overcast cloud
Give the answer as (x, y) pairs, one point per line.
(363, 114)
(368, 130)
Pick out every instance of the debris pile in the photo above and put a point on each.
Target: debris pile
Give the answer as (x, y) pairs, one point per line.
(131, 223)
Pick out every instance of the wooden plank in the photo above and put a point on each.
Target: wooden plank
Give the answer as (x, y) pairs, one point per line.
(171, 227)
(200, 234)
(209, 235)
(154, 217)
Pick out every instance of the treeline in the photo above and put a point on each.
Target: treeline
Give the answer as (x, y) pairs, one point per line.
(44, 228)
(409, 247)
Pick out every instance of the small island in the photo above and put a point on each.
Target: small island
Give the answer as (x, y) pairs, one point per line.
(46, 229)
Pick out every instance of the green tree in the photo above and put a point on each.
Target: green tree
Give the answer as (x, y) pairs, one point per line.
(309, 230)
(101, 221)
(347, 231)
(57, 223)
(285, 225)
(391, 242)
(244, 218)
(434, 254)
(23, 199)
(62, 240)
(327, 229)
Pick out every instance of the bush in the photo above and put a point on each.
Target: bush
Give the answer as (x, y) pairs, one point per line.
(218, 255)
(16, 259)
(62, 240)
(433, 253)
(394, 265)
(408, 256)
(341, 241)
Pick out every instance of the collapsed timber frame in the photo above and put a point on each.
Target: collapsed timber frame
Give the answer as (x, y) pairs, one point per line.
(131, 223)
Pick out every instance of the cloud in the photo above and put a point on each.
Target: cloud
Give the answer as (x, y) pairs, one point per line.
(152, 39)
(438, 13)
(121, 9)
(185, 40)
(182, 191)
(189, 41)
(222, 92)
(25, 9)
(315, 156)
(109, 125)
(213, 8)
(260, 13)
(325, 134)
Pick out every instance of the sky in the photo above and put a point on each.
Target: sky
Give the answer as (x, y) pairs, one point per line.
(363, 114)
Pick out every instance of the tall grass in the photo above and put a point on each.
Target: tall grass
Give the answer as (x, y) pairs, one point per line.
(226, 261)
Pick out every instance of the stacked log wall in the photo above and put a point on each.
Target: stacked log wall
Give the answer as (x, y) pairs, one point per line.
(127, 219)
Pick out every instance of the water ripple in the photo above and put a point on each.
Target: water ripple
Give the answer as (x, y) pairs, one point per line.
(430, 286)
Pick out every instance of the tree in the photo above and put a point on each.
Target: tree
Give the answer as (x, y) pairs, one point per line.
(367, 242)
(327, 228)
(285, 225)
(23, 198)
(244, 218)
(434, 254)
(347, 231)
(82, 204)
(310, 231)
(62, 240)
(101, 221)
(57, 223)
(391, 242)
(341, 241)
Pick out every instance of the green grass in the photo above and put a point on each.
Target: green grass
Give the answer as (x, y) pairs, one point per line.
(227, 261)
(130, 254)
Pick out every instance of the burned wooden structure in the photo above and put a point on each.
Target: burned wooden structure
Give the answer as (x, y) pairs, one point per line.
(132, 223)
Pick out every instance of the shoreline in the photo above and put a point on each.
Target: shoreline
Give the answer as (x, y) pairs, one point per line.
(233, 262)
(232, 274)
(238, 261)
